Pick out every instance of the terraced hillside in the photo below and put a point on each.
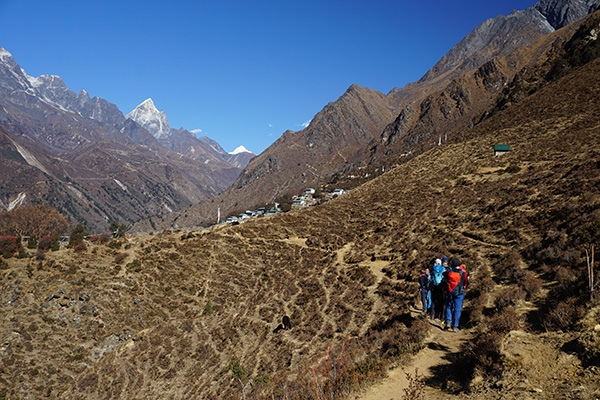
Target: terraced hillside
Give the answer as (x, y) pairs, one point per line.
(196, 314)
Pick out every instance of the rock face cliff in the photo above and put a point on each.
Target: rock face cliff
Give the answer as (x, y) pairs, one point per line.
(82, 156)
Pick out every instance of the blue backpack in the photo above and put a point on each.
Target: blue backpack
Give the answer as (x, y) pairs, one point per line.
(437, 274)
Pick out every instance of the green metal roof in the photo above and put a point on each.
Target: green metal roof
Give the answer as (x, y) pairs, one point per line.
(501, 147)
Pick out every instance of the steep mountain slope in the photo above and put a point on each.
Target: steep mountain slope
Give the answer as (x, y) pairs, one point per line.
(460, 104)
(96, 165)
(196, 315)
(297, 159)
(495, 37)
(449, 98)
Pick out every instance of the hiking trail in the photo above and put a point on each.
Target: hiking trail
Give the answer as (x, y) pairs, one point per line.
(436, 353)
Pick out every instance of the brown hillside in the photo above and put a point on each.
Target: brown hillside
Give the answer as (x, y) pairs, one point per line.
(194, 315)
(295, 161)
(455, 100)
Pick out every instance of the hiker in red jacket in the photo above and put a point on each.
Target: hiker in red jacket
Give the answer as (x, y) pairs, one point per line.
(456, 284)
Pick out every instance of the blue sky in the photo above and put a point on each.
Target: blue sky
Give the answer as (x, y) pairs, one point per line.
(242, 72)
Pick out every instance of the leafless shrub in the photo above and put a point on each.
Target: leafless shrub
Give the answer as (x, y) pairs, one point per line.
(508, 297)
(506, 321)
(589, 347)
(564, 276)
(416, 387)
(120, 257)
(563, 315)
(531, 285)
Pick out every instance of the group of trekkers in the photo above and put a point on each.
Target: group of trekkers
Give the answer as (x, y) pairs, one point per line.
(442, 288)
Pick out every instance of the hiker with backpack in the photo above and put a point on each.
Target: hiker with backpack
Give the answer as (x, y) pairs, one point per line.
(436, 290)
(456, 279)
(445, 263)
(424, 284)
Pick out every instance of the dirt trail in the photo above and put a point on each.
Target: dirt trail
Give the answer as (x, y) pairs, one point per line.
(438, 346)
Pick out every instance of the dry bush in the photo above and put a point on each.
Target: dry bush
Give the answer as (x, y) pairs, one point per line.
(474, 314)
(482, 355)
(362, 274)
(589, 347)
(564, 276)
(80, 247)
(508, 267)
(418, 331)
(40, 255)
(509, 297)
(416, 387)
(530, 284)
(506, 321)
(120, 257)
(563, 315)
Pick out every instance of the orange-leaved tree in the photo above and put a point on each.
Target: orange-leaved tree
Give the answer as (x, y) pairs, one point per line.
(36, 221)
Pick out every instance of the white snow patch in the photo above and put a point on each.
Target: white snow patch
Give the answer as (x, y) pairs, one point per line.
(240, 149)
(120, 184)
(30, 158)
(4, 53)
(16, 202)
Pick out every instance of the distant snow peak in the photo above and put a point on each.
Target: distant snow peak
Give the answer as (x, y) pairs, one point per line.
(4, 53)
(154, 121)
(240, 149)
(148, 104)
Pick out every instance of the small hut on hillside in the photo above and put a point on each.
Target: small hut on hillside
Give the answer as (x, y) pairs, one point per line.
(500, 149)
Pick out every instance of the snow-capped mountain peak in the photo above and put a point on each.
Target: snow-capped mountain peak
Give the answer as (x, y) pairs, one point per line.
(240, 149)
(154, 121)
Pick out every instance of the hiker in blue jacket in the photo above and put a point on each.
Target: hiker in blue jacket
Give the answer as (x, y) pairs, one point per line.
(436, 290)
(445, 263)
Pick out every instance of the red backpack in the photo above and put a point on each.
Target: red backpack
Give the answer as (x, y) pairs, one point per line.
(456, 280)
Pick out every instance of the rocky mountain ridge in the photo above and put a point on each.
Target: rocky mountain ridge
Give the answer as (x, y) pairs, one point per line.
(500, 36)
(91, 162)
(183, 141)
